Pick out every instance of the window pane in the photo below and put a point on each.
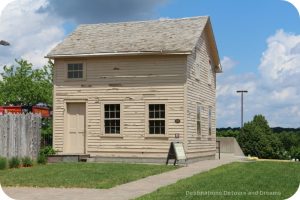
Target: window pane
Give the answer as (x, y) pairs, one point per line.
(157, 130)
(106, 107)
(70, 67)
(70, 75)
(162, 114)
(80, 74)
(112, 114)
(80, 67)
(151, 114)
(75, 67)
(75, 74)
(151, 123)
(151, 107)
(106, 115)
(151, 130)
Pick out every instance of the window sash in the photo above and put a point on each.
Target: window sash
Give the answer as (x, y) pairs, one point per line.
(198, 124)
(112, 119)
(157, 118)
(75, 71)
(209, 121)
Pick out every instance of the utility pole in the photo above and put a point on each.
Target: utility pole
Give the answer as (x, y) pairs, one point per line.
(242, 106)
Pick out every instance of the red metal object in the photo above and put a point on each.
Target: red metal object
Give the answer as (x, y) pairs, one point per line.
(10, 109)
(44, 111)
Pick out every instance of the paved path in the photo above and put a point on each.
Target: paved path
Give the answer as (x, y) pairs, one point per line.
(122, 192)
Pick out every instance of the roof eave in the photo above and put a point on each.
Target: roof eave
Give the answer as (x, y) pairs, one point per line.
(52, 56)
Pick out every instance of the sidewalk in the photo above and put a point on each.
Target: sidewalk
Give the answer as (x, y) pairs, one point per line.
(122, 192)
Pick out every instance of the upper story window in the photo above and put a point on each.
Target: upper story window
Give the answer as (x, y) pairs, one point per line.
(157, 124)
(112, 119)
(199, 119)
(75, 71)
(210, 73)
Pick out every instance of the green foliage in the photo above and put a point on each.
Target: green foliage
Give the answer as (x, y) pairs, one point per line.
(295, 153)
(14, 162)
(48, 150)
(256, 139)
(228, 132)
(3, 163)
(44, 153)
(46, 132)
(23, 85)
(42, 159)
(27, 162)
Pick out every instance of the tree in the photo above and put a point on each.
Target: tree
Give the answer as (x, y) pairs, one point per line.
(256, 138)
(23, 85)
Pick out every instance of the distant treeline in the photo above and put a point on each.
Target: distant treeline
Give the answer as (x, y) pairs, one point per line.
(275, 129)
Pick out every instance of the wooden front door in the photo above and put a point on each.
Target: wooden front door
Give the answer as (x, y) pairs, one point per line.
(75, 128)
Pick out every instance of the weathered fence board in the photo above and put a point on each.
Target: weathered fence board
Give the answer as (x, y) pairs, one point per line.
(20, 135)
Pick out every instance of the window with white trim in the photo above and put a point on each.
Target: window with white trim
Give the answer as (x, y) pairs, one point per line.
(112, 119)
(157, 117)
(199, 119)
(75, 71)
(209, 121)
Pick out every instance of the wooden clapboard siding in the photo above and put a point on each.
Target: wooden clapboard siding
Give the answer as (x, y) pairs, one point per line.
(199, 91)
(133, 82)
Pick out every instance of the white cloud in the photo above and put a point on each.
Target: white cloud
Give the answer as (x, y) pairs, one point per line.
(273, 92)
(228, 63)
(30, 34)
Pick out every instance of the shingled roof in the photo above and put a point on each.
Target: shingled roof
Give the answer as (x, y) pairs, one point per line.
(168, 36)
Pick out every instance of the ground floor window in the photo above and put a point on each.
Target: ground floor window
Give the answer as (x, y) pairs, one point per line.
(209, 121)
(199, 119)
(112, 118)
(157, 124)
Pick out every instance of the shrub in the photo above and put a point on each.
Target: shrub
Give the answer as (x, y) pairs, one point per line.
(48, 150)
(3, 163)
(42, 159)
(27, 162)
(14, 162)
(295, 153)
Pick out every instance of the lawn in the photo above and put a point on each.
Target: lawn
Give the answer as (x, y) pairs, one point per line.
(236, 181)
(79, 175)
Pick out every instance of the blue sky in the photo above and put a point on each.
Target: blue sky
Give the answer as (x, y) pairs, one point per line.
(258, 42)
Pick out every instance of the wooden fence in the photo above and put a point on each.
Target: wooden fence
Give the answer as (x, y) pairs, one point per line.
(20, 135)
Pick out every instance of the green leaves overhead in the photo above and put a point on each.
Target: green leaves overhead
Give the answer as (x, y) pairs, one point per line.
(22, 84)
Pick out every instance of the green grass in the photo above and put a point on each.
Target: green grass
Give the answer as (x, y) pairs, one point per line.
(238, 177)
(79, 175)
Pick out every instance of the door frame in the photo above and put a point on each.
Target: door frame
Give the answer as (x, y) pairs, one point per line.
(85, 102)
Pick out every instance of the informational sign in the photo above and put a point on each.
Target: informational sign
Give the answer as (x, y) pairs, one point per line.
(176, 152)
(179, 150)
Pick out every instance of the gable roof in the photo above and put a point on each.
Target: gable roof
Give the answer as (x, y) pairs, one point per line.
(169, 36)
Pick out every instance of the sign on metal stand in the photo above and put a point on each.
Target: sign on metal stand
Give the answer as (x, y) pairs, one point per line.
(176, 152)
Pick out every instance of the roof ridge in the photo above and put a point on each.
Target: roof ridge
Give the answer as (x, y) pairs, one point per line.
(145, 21)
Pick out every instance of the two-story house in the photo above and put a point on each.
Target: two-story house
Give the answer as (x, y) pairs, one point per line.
(124, 91)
